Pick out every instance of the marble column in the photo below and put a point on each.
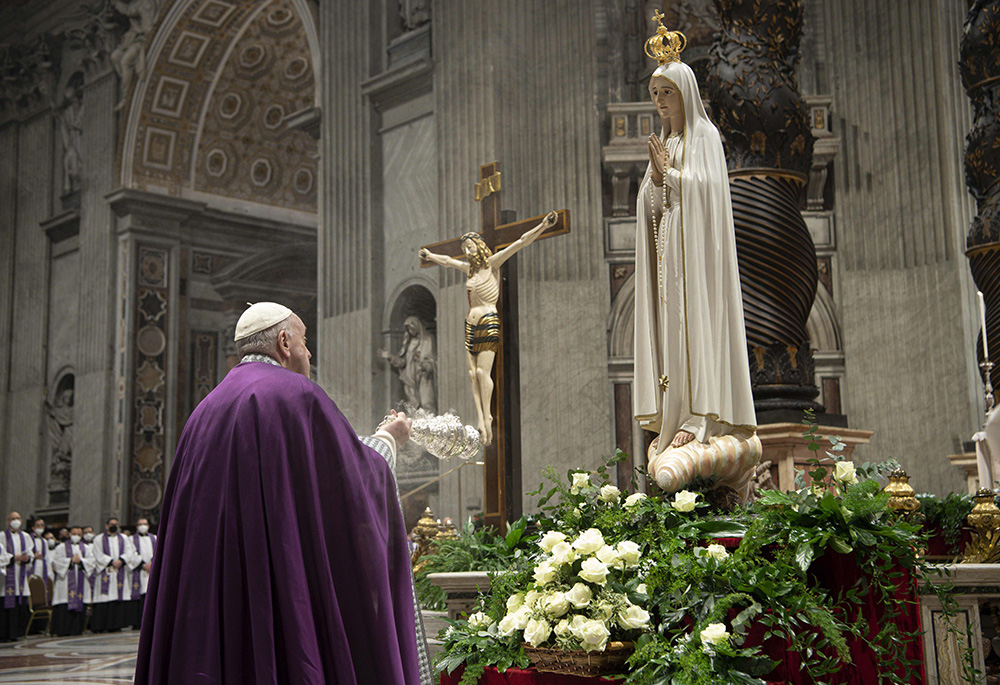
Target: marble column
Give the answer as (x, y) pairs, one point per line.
(95, 478)
(8, 219)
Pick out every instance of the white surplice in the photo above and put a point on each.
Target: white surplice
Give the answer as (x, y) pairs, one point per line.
(20, 544)
(691, 363)
(40, 567)
(144, 555)
(61, 565)
(119, 547)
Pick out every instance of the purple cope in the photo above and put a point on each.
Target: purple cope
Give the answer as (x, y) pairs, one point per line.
(282, 555)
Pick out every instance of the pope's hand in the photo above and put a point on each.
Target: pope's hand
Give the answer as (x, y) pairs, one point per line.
(399, 428)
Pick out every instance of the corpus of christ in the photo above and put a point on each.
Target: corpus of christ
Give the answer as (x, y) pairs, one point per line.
(402, 341)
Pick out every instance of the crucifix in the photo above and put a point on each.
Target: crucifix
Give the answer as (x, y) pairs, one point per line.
(491, 340)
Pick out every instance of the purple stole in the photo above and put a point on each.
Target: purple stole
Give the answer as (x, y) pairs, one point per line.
(75, 578)
(106, 576)
(12, 589)
(136, 574)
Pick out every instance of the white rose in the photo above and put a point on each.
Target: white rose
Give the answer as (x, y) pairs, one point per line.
(608, 555)
(563, 553)
(521, 617)
(555, 604)
(715, 634)
(581, 479)
(479, 620)
(579, 595)
(634, 617)
(589, 541)
(594, 635)
(684, 500)
(594, 571)
(507, 625)
(514, 602)
(717, 552)
(609, 493)
(551, 539)
(531, 599)
(641, 589)
(634, 499)
(545, 573)
(628, 551)
(562, 628)
(537, 631)
(845, 472)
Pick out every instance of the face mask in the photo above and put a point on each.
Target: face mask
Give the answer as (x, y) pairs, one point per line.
(39, 532)
(112, 529)
(15, 524)
(52, 544)
(89, 537)
(143, 530)
(75, 539)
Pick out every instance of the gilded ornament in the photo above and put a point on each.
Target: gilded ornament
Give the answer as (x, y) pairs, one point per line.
(423, 534)
(666, 46)
(902, 497)
(984, 547)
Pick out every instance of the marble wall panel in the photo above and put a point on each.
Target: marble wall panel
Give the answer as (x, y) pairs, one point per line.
(8, 203)
(346, 370)
(63, 313)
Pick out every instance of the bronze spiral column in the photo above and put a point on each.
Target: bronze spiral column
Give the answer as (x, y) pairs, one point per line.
(759, 111)
(979, 65)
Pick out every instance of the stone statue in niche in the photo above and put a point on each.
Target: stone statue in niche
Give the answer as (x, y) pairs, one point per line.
(416, 365)
(129, 58)
(414, 13)
(59, 425)
(692, 375)
(69, 116)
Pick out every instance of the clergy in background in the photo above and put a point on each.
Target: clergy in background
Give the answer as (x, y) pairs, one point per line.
(282, 555)
(16, 556)
(144, 543)
(111, 557)
(70, 589)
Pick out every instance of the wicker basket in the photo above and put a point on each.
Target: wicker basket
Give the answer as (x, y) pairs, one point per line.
(578, 661)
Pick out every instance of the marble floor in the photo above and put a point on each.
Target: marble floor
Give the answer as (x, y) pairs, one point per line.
(81, 660)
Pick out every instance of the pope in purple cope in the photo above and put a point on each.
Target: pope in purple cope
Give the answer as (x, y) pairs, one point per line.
(282, 555)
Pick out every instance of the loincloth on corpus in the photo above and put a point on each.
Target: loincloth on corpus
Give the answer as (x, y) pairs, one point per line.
(483, 336)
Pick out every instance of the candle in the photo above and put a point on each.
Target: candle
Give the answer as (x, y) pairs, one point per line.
(982, 316)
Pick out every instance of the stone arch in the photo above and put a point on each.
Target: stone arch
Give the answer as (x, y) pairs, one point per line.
(823, 326)
(621, 321)
(208, 120)
(58, 455)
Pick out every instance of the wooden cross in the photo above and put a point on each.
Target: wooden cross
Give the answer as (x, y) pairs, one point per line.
(502, 469)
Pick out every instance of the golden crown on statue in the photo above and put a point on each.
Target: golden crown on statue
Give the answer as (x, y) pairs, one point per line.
(666, 46)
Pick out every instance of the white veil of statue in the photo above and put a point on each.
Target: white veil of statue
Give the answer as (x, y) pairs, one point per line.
(691, 366)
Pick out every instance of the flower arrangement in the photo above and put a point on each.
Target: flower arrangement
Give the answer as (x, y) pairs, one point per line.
(667, 574)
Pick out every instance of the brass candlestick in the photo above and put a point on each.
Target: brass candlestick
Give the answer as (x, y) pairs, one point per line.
(984, 547)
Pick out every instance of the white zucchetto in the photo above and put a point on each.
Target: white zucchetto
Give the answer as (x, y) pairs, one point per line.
(259, 316)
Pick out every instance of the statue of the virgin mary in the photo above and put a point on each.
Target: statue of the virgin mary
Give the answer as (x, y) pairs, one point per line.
(692, 376)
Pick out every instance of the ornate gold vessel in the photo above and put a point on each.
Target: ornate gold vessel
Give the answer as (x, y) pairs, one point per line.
(902, 497)
(984, 547)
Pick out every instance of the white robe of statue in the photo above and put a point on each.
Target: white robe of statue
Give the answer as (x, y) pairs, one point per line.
(691, 367)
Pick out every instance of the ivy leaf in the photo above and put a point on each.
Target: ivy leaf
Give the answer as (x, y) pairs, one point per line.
(804, 554)
(721, 529)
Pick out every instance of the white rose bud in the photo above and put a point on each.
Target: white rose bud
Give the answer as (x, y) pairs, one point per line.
(555, 605)
(514, 602)
(563, 553)
(562, 628)
(628, 551)
(684, 501)
(581, 479)
(551, 539)
(531, 599)
(641, 589)
(521, 617)
(717, 552)
(594, 571)
(609, 493)
(545, 573)
(579, 595)
(536, 632)
(633, 618)
(715, 634)
(589, 541)
(594, 635)
(845, 472)
(608, 555)
(634, 499)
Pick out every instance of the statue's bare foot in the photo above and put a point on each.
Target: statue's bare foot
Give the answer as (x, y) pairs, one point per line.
(489, 431)
(682, 438)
